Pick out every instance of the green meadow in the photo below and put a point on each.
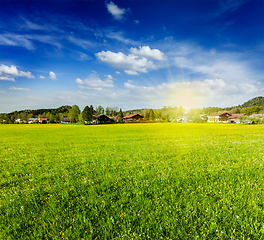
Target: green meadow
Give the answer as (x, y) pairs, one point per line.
(132, 181)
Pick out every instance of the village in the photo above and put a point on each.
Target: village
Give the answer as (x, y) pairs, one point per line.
(250, 112)
(224, 117)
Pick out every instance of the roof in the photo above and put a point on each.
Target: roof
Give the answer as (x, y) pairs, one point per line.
(218, 114)
(32, 119)
(100, 116)
(214, 114)
(132, 115)
(65, 119)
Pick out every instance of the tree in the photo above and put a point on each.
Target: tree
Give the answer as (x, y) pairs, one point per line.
(158, 114)
(108, 111)
(74, 113)
(92, 111)
(86, 114)
(151, 115)
(194, 115)
(120, 115)
(114, 113)
(146, 116)
(180, 111)
(99, 110)
(57, 117)
(80, 118)
(51, 118)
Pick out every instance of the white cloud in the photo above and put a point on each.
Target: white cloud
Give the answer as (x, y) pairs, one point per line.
(129, 85)
(117, 72)
(44, 39)
(29, 25)
(116, 11)
(9, 73)
(196, 94)
(109, 77)
(146, 52)
(33, 26)
(84, 57)
(130, 63)
(131, 72)
(196, 62)
(18, 89)
(93, 82)
(7, 79)
(136, 21)
(11, 39)
(41, 77)
(80, 42)
(119, 37)
(52, 75)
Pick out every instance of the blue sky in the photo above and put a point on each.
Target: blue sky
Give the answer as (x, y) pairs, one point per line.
(130, 54)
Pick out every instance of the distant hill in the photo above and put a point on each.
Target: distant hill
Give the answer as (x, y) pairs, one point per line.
(257, 101)
(61, 109)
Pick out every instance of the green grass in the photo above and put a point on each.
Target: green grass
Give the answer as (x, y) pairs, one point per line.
(132, 181)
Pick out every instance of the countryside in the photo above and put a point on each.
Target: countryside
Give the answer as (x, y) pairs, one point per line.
(131, 120)
(132, 181)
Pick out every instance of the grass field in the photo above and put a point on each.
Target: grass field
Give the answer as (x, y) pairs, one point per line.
(132, 181)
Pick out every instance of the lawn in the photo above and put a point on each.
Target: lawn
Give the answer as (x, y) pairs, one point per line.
(132, 181)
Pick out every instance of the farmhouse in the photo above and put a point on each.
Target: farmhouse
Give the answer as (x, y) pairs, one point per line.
(101, 119)
(133, 118)
(181, 119)
(65, 120)
(42, 120)
(218, 117)
(32, 120)
(234, 118)
(204, 117)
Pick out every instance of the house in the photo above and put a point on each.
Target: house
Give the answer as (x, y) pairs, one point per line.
(133, 118)
(204, 117)
(234, 118)
(17, 120)
(32, 120)
(113, 118)
(181, 119)
(99, 119)
(65, 120)
(42, 120)
(261, 116)
(218, 117)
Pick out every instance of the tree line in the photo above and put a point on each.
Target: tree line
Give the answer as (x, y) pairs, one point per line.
(165, 114)
(55, 115)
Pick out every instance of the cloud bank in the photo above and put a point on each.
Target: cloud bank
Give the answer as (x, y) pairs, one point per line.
(9, 73)
(135, 62)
